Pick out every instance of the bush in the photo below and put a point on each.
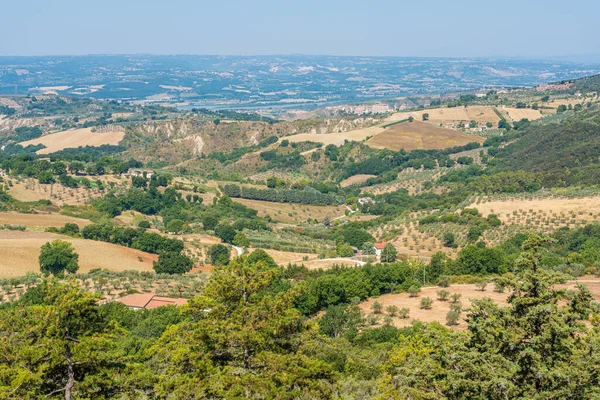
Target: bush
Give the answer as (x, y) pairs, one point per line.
(377, 308)
(481, 285)
(404, 313)
(392, 310)
(443, 295)
(426, 303)
(414, 291)
(455, 298)
(444, 281)
(456, 307)
(452, 318)
(144, 224)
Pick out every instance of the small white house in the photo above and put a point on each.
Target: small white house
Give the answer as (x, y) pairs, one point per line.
(379, 248)
(140, 172)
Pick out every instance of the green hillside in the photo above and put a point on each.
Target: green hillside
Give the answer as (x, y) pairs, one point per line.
(563, 153)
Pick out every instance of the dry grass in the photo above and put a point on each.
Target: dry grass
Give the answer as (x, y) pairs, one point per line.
(31, 190)
(439, 309)
(583, 206)
(19, 252)
(353, 180)
(286, 212)
(420, 135)
(517, 114)
(73, 139)
(285, 257)
(444, 115)
(326, 264)
(40, 220)
(337, 138)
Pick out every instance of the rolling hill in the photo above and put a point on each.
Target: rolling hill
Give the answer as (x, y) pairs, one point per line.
(420, 135)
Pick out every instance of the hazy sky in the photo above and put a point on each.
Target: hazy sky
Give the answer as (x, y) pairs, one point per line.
(527, 28)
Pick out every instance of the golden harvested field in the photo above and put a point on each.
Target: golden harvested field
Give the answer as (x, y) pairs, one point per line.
(40, 220)
(517, 114)
(286, 212)
(582, 207)
(19, 252)
(353, 180)
(446, 115)
(336, 138)
(73, 139)
(420, 135)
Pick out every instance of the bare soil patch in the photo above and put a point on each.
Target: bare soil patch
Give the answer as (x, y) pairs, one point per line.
(439, 309)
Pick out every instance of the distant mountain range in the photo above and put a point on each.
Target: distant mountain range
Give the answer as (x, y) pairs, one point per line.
(270, 81)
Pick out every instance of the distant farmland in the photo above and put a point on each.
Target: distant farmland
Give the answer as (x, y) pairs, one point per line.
(420, 135)
(75, 138)
(20, 252)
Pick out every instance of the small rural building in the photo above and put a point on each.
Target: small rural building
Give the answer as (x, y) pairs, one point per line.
(149, 301)
(379, 248)
(365, 200)
(140, 172)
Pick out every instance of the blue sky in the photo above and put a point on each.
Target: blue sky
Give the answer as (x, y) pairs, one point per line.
(442, 28)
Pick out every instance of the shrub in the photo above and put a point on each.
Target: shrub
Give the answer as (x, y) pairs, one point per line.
(414, 291)
(426, 303)
(144, 224)
(444, 281)
(457, 307)
(443, 295)
(392, 310)
(481, 285)
(377, 307)
(455, 298)
(403, 313)
(452, 318)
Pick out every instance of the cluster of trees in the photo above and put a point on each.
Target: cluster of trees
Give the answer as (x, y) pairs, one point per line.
(247, 336)
(468, 216)
(282, 159)
(306, 196)
(239, 152)
(536, 347)
(342, 284)
(30, 165)
(136, 238)
(388, 162)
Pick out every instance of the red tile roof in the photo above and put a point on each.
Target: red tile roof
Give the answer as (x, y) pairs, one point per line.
(149, 300)
(380, 245)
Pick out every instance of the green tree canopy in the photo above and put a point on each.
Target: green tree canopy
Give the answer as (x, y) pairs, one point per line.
(58, 256)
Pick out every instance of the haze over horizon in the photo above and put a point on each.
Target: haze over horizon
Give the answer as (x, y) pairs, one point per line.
(535, 29)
